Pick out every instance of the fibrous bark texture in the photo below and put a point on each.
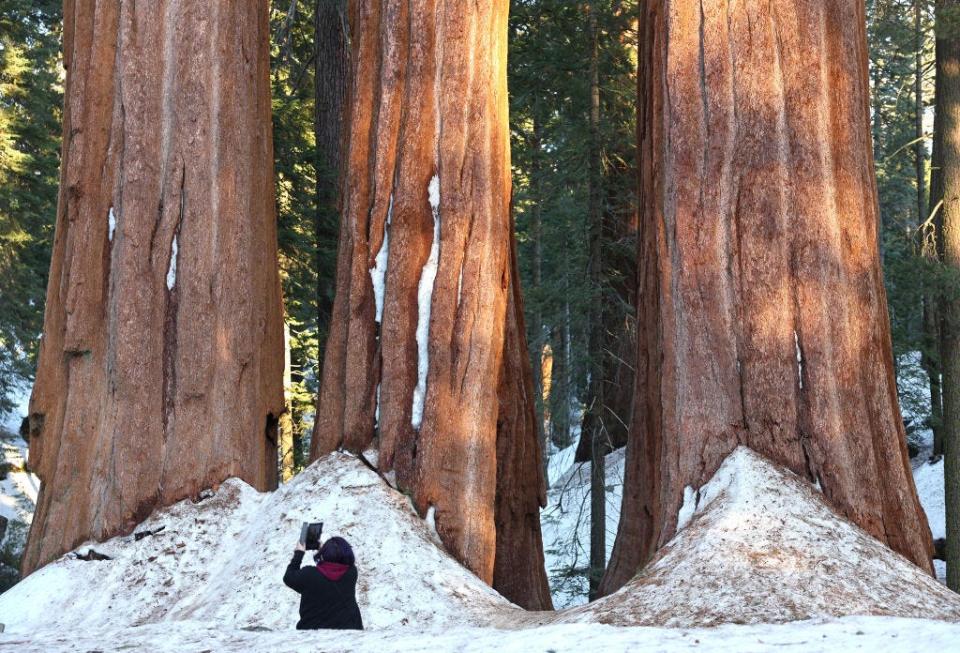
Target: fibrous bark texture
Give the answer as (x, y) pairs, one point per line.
(761, 312)
(161, 365)
(331, 66)
(419, 351)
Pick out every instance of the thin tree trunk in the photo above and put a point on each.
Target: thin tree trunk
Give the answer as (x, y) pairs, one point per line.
(933, 250)
(929, 350)
(919, 148)
(285, 426)
(546, 389)
(762, 312)
(593, 423)
(948, 112)
(539, 338)
(560, 394)
(160, 372)
(425, 303)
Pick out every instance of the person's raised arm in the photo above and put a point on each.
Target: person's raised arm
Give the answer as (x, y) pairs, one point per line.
(291, 578)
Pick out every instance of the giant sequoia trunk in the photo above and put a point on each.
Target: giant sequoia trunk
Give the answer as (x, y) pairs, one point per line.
(422, 357)
(761, 313)
(332, 61)
(160, 371)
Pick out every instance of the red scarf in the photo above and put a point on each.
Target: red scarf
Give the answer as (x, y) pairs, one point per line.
(332, 570)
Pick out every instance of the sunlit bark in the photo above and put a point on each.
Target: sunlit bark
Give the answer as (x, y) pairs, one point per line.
(762, 312)
(161, 363)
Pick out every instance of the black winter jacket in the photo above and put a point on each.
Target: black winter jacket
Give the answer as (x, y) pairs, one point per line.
(324, 603)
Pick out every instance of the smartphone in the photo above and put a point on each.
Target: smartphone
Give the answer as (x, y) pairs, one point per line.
(310, 535)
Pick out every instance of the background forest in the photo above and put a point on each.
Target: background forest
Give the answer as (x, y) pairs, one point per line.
(573, 91)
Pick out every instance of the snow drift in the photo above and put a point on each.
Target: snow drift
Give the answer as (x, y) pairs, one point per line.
(222, 559)
(762, 546)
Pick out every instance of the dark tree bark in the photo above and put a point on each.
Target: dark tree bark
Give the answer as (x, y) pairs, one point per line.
(518, 571)
(948, 117)
(331, 76)
(420, 336)
(762, 313)
(932, 249)
(160, 371)
(930, 349)
(594, 418)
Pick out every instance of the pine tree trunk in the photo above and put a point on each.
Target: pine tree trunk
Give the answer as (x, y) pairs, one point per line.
(762, 312)
(160, 372)
(933, 250)
(593, 427)
(420, 337)
(929, 351)
(285, 425)
(948, 114)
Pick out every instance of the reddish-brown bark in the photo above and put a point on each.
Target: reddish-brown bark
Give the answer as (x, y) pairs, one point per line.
(428, 101)
(761, 314)
(153, 385)
(518, 571)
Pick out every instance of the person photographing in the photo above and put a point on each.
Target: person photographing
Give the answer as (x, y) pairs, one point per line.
(328, 590)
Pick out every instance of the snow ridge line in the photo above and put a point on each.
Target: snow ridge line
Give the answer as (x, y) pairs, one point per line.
(378, 272)
(424, 298)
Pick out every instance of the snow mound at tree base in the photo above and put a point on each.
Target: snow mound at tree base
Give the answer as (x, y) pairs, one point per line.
(221, 560)
(762, 546)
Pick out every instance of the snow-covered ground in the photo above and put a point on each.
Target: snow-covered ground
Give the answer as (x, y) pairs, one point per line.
(762, 558)
(565, 522)
(18, 487)
(929, 479)
(221, 561)
(871, 634)
(761, 548)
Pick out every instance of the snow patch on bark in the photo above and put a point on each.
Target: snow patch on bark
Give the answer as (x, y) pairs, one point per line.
(431, 519)
(690, 497)
(378, 273)
(172, 267)
(796, 342)
(111, 224)
(424, 297)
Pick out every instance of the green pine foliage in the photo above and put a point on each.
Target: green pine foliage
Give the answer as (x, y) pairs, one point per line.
(292, 75)
(31, 96)
(549, 82)
(893, 43)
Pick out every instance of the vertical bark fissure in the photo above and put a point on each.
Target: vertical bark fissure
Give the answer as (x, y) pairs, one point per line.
(111, 364)
(170, 319)
(448, 160)
(803, 126)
